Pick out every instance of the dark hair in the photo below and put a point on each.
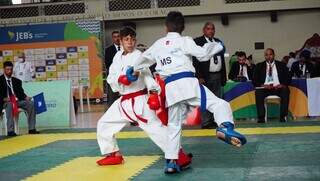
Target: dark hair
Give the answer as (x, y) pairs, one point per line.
(127, 31)
(175, 22)
(250, 57)
(306, 54)
(7, 64)
(116, 31)
(291, 54)
(241, 54)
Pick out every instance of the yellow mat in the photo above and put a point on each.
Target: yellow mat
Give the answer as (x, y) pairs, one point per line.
(257, 131)
(24, 142)
(86, 169)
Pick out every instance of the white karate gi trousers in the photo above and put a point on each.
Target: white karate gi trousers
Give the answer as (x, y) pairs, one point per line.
(115, 119)
(178, 112)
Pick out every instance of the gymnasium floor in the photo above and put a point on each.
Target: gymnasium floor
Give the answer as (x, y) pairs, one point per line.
(275, 151)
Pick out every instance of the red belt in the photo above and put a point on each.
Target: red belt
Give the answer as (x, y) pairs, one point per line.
(132, 96)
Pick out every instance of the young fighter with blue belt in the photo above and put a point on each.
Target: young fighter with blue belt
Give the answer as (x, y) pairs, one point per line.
(173, 56)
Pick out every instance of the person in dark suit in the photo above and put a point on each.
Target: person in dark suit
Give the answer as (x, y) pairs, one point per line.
(211, 73)
(303, 68)
(271, 77)
(242, 70)
(109, 54)
(316, 68)
(11, 87)
(112, 49)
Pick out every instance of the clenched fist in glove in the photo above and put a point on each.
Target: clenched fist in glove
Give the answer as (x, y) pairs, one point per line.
(131, 74)
(153, 101)
(123, 79)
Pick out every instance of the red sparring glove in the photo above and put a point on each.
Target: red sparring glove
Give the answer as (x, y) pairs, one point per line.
(194, 117)
(124, 80)
(153, 101)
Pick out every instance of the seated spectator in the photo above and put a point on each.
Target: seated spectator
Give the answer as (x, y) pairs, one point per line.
(292, 59)
(285, 60)
(303, 68)
(242, 70)
(233, 59)
(271, 77)
(251, 59)
(317, 68)
(12, 96)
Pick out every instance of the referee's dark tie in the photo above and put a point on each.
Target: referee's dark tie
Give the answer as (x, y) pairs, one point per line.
(9, 89)
(241, 70)
(270, 70)
(118, 48)
(210, 39)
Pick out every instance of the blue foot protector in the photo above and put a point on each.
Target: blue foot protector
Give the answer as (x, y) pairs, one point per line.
(231, 136)
(130, 76)
(171, 167)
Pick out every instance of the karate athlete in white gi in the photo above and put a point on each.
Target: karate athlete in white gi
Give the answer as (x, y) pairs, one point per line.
(173, 55)
(133, 106)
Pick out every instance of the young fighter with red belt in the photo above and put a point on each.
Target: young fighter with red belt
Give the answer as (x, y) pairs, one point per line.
(133, 106)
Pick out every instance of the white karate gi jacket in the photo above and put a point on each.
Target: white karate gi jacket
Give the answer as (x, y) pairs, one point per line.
(173, 54)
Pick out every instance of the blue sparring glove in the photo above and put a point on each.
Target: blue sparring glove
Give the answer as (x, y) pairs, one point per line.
(130, 76)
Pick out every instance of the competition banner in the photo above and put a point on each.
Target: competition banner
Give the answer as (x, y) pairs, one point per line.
(60, 51)
(58, 100)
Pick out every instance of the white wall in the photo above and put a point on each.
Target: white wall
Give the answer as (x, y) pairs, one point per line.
(206, 7)
(98, 9)
(288, 34)
(33, 1)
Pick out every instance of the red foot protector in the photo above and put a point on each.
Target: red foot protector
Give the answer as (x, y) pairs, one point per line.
(111, 159)
(184, 160)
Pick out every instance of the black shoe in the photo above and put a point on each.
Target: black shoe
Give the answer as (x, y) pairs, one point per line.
(261, 121)
(12, 133)
(283, 120)
(34, 131)
(209, 126)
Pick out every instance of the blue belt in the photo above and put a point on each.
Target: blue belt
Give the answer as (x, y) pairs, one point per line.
(177, 76)
(190, 75)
